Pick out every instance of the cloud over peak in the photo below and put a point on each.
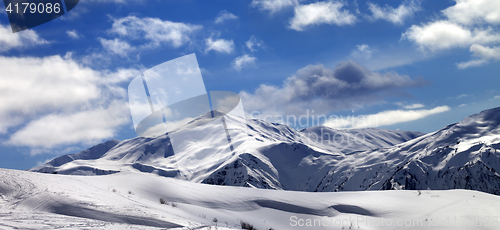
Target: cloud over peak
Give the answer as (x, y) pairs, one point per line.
(346, 87)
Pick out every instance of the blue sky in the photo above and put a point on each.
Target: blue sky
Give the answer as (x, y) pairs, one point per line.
(410, 65)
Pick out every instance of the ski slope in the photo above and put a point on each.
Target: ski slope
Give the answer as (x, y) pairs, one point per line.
(127, 200)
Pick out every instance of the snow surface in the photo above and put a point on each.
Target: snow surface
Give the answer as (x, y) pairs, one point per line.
(300, 172)
(465, 155)
(266, 155)
(128, 200)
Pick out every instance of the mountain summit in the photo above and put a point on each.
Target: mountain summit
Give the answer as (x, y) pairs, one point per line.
(318, 159)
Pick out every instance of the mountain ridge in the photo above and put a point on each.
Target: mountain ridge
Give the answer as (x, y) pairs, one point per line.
(273, 156)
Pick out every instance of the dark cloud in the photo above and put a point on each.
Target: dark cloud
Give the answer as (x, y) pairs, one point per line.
(348, 86)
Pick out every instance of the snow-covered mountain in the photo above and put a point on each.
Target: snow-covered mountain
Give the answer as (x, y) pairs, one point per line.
(461, 156)
(465, 155)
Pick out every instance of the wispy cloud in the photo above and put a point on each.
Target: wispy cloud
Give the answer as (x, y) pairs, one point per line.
(389, 117)
(73, 34)
(362, 51)
(154, 31)
(116, 46)
(393, 15)
(224, 16)
(253, 43)
(414, 106)
(273, 6)
(484, 53)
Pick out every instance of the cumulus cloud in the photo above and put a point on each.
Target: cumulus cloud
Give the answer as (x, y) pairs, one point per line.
(393, 15)
(469, 12)
(445, 35)
(253, 43)
(219, 45)
(224, 16)
(38, 91)
(154, 30)
(88, 126)
(469, 23)
(348, 86)
(73, 34)
(389, 117)
(9, 40)
(243, 61)
(321, 13)
(273, 6)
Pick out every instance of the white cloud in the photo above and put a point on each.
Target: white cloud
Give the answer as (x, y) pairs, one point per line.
(445, 35)
(154, 30)
(273, 6)
(87, 126)
(394, 15)
(253, 43)
(116, 46)
(362, 51)
(224, 16)
(321, 13)
(414, 106)
(389, 117)
(469, 12)
(42, 89)
(484, 53)
(497, 97)
(73, 34)
(243, 61)
(472, 63)
(314, 87)
(219, 45)
(471, 23)
(9, 40)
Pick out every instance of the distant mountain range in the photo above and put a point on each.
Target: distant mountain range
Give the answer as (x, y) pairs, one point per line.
(465, 155)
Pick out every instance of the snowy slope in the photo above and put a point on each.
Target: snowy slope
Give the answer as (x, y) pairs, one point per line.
(465, 155)
(132, 201)
(461, 156)
(266, 155)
